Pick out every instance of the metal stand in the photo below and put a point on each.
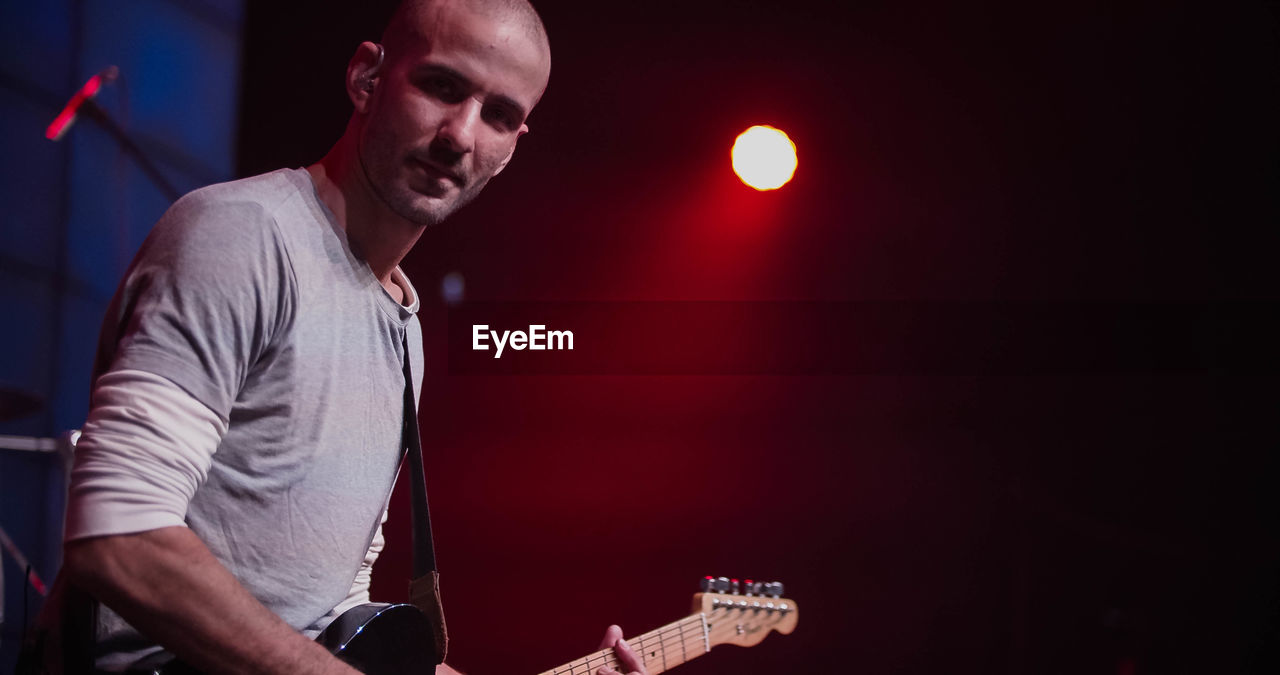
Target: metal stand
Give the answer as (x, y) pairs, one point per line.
(97, 114)
(64, 447)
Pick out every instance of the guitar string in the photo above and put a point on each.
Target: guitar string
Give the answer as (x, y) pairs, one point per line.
(612, 661)
(644, 643)
(608, 658)
(663, 645)
(682, 641)
(667, 641)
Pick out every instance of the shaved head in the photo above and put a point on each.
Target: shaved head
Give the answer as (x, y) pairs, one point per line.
(411, 18)
(442, 115)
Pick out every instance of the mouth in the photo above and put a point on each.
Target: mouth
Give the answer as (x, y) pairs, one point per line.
(436, 171)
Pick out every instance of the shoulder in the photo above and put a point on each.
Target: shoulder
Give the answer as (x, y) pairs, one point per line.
(234, 221)
(223, 240)
(267, 190)
(213, 283)
(234, 205)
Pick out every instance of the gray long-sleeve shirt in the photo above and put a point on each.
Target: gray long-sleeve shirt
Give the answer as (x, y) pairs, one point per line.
(248, 298)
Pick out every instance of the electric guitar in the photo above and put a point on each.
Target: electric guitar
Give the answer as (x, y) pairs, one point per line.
(395, 639)
(382, 639)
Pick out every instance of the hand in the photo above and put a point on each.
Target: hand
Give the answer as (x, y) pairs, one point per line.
(444, 669)
(627, 658)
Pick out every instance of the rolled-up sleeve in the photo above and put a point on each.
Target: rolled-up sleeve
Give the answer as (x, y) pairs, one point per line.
(144, 450)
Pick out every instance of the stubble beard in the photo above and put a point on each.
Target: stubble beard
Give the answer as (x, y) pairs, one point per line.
(403, 200)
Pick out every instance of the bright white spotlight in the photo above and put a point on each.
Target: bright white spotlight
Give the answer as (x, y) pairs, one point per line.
(764, 158)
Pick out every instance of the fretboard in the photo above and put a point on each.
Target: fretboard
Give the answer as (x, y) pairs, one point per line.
(661, 649)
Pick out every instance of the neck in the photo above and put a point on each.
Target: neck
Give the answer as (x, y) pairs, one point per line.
(661, 650)
(377, 235)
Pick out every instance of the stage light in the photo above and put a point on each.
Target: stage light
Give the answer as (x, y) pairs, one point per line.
(764, 158)
(453, 288)
(65, 118)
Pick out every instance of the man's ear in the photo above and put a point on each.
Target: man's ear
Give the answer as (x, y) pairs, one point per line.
(524, 129)
(362, 74)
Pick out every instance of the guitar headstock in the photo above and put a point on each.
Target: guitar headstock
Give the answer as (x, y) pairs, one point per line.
(743, 613)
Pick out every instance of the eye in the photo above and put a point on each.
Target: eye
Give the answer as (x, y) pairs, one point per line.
(444, 88)
(500, 117)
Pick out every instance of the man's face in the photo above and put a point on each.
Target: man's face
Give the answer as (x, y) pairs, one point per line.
(444, 117)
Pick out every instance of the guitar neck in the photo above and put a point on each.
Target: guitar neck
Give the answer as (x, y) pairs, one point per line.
(660, 650)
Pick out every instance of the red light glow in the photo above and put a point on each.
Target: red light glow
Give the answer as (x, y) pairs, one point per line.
(63, 121)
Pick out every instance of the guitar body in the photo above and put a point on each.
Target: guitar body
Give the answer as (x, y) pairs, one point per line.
(379, 638)
(374, 638)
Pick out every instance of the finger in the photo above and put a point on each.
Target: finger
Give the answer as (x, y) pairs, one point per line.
(611, 637)
(628, 658)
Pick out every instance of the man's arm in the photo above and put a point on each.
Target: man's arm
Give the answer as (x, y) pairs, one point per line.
(168, 585)
(146, 447)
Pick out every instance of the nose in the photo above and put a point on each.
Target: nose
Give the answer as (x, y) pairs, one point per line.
(458, 127)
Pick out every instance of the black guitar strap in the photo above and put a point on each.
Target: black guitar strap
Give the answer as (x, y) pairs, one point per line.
(424, 588)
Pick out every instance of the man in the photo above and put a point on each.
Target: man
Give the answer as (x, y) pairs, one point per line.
(245, 428)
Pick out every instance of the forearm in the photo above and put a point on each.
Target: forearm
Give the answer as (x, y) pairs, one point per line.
(169, 586)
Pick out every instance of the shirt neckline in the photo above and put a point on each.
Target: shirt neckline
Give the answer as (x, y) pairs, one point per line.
(389, 305)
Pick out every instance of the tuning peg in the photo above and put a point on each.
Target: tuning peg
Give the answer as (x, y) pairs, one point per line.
(750, 587)
(734, 587)
(715, 584)
(773, 589)
(707, 584)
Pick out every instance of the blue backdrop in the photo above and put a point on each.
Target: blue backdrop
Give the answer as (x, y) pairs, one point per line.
(77, 210)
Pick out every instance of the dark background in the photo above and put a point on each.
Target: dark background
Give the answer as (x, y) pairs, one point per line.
(1092, 522)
